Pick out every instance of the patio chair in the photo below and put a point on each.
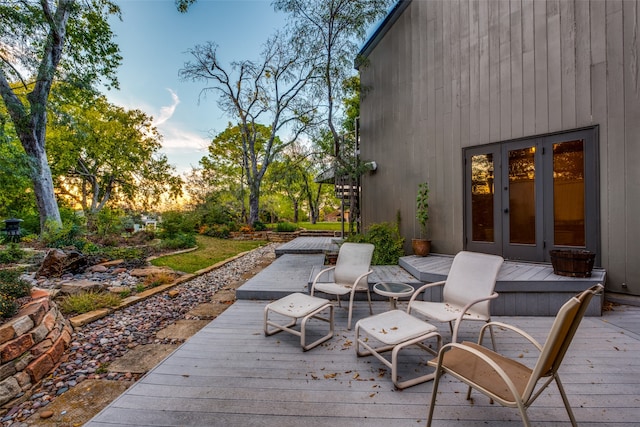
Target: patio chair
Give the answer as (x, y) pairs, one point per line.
(350, 274)
(466, 294)
(508, 381)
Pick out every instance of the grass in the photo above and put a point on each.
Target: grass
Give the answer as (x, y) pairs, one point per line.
(331, 226)
(210, 251)
(88, 301)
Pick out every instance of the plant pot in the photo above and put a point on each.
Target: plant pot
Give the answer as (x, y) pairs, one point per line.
(572, 263)
(421, 247)
(330, 258)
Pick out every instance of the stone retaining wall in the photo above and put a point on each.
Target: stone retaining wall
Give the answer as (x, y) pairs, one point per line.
(31, 345)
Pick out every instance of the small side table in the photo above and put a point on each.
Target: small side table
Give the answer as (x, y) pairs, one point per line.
(393, 290)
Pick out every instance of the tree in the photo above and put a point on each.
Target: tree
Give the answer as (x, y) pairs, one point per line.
(269, 91)
(40, 42)
(224, 165)
(332, 29)
(15, 197)
(101, 152)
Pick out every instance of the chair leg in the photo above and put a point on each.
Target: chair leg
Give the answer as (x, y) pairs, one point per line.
(369, 298)
(566, 401)
(434, 392)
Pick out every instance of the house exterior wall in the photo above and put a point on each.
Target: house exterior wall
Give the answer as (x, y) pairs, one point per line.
(451, 74)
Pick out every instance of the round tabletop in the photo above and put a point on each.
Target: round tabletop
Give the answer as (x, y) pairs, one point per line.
(393, 289)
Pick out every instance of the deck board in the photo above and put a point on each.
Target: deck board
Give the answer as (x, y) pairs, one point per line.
(230, 374)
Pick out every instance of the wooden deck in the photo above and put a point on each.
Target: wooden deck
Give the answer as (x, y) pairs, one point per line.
(230, 374)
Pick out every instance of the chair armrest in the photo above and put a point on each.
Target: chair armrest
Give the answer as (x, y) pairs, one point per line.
(423, 288)
(320, 273)
(360, 277)
(454, 335)
(512, 328)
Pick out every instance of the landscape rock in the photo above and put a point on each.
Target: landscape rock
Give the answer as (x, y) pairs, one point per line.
(58, 262)
(77, 286)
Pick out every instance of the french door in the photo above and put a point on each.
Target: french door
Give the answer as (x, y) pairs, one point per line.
(526, 197)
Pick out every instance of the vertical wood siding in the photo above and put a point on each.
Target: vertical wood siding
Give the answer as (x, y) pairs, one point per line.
(450, 74)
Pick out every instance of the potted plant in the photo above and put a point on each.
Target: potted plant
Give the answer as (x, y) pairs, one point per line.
(422, 246)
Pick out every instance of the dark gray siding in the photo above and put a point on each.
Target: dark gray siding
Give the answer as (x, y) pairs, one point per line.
(451, 74)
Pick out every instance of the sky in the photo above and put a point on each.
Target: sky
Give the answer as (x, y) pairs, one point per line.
(154, 40)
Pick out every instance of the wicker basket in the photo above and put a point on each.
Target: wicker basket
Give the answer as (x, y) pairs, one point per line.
(572, 263)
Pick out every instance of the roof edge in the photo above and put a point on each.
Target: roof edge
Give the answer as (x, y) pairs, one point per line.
(380, 32)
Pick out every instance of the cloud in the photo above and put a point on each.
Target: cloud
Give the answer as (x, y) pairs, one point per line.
(166, 112)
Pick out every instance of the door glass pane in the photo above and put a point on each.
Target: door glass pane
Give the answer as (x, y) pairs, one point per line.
(568, 193)
(522, 200)
(482, 197)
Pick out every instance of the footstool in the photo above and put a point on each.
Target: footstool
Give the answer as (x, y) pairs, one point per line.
(396, 330)
(299, 306)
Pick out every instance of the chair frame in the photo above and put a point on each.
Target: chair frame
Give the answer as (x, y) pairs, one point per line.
(462, 312)
(551, 355)
(340, 289)
(299, 306)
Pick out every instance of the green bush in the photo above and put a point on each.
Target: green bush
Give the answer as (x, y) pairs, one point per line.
(108, 222)
(286, 227)
(12, 285)
(259, 226)
(176, 223)
(179, 241)
(70, 234)
(12, 253)
(221, 231)
(8, 306)
(387, 241)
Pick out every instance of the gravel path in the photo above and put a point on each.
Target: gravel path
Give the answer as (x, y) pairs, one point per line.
(97, 344)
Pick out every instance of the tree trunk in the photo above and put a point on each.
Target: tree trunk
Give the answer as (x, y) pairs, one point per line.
(254, 205)
(295, 211)
(43, 186)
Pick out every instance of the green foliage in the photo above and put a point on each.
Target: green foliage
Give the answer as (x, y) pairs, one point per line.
(109, 152)
(69, 234)
(12, 285)
(175, 223)
(221, 231)
(387, 241)
(286, 227)
(422, 206)
(179, 241)
(88, 301)
(259, 226)
(108, 222)
(8, 306)
(12, 253)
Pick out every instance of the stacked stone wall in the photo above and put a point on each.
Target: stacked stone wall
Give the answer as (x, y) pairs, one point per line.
(31, 345)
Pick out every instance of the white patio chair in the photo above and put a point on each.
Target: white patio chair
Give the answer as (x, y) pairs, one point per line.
(506, 380)
(466, 294)
(350, 274)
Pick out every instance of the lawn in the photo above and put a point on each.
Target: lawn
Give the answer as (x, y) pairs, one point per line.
(331, 226)
(210, 251)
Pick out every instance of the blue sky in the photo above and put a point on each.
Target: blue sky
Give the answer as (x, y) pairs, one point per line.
(154, 38)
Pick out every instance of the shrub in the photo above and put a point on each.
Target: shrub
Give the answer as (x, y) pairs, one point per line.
(220, 231)
(286, 227)
(179, 241)
(387, 241)
(70, 234)
(88, 301)
(259, 226)
(8, 306)
(176, 223)
(12, 253)
(12, 285)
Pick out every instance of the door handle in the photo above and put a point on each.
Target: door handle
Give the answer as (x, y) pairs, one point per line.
(506, 210)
